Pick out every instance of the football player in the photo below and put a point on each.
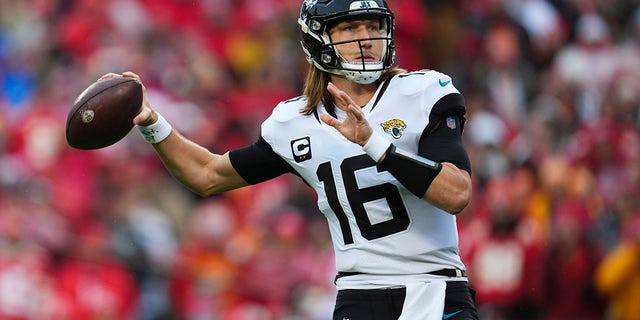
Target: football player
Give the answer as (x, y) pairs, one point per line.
(382, 149)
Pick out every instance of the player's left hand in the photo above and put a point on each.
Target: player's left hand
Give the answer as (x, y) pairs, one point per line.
(355, 127)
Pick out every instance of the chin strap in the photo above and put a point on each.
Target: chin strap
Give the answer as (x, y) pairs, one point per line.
(365, 76)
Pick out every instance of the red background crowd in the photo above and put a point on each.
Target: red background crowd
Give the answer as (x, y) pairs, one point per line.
(553, 95)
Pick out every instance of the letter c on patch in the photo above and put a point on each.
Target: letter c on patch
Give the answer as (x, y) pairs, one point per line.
(301, 149)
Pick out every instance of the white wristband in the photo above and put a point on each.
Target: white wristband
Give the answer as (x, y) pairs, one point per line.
(156, 132)
(376, 146)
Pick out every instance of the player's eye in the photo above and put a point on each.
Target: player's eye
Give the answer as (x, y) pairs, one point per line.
(349, 27)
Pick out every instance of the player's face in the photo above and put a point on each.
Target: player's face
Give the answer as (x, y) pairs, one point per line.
(364, 50)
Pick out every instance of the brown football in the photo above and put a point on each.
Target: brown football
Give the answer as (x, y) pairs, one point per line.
(103, 113)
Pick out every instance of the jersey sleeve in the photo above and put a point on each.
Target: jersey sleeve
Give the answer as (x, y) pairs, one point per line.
(258, 162)
(441, 140)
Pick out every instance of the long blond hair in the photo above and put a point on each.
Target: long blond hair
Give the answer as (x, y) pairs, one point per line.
(315, 87)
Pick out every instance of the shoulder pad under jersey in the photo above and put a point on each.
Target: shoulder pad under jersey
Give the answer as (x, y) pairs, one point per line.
(414, 82)
(286, 110)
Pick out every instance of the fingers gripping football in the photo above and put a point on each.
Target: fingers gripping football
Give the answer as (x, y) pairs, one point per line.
(147, 115)
(106, 111)
(103, 113)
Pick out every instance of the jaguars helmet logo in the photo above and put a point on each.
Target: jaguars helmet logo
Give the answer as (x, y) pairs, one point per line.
(310, 3)
(394, 127)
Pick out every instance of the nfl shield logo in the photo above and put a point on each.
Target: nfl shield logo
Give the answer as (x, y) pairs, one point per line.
(451, 122)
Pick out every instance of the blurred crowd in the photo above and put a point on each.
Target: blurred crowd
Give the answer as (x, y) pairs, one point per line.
(553, 95)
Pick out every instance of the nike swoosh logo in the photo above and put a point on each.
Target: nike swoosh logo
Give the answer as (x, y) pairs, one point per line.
(450, 315)
(444, 83)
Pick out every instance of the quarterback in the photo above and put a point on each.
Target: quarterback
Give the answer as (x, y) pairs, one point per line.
(381, 147)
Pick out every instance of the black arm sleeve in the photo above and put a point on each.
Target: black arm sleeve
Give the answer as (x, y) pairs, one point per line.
(441, 141)
(257, 162)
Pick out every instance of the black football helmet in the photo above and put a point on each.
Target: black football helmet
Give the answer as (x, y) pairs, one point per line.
(317, 16)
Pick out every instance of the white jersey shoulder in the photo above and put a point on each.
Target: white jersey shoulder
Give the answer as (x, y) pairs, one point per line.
(285, 119)
(424, 82)
(289, 109)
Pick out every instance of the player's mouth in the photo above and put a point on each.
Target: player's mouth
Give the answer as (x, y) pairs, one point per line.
(366, 58)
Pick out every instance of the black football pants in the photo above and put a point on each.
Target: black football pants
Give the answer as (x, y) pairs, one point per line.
(386, 304)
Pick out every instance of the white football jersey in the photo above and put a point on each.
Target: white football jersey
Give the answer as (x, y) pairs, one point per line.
(377, 225)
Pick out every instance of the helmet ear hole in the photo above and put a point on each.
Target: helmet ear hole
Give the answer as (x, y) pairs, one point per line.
(327, 59)
(316, 26)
